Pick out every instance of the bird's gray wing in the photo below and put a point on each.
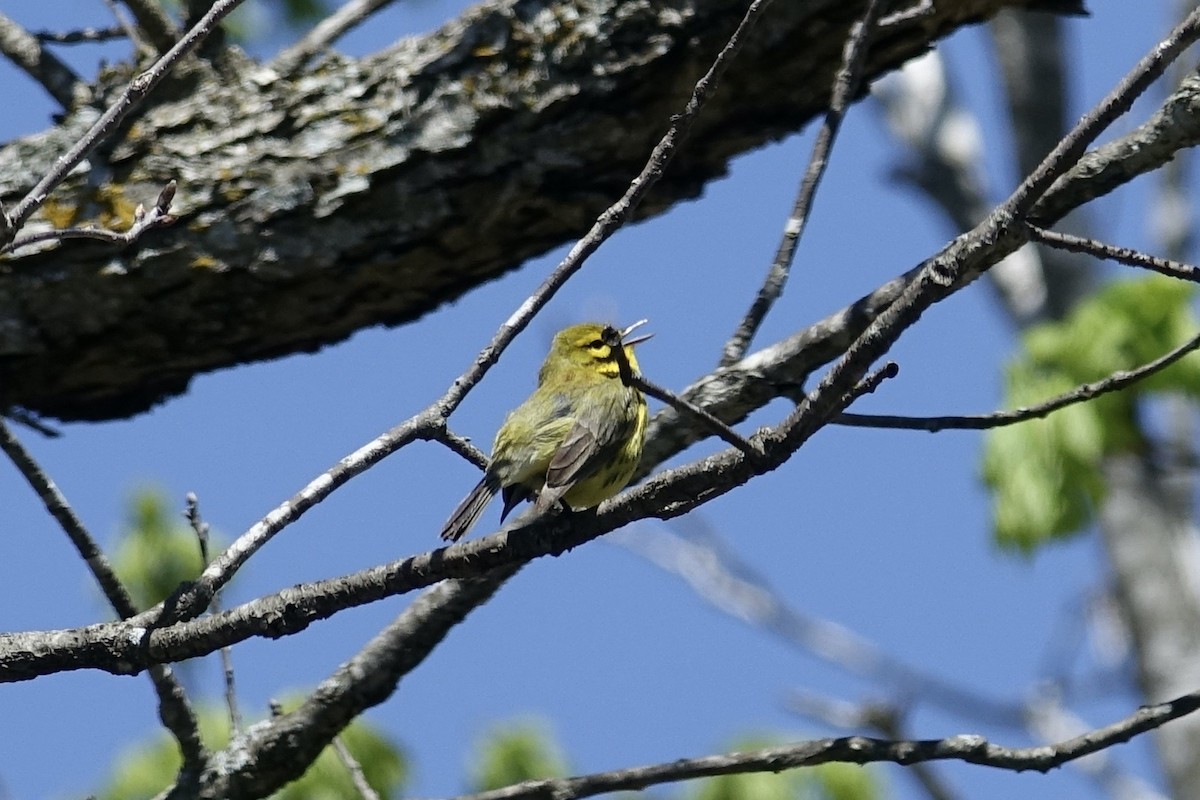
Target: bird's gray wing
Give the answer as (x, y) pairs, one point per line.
(574, 458)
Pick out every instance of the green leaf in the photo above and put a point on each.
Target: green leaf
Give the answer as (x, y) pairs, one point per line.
(1044, 475)
(515, 752)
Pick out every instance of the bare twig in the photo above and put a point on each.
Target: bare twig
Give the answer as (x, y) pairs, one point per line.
(131, 31)
(463, 447)
(30, 420)
(970, 748)
(638, 381)
(871, 382)
(159, 216)
(1115, 382)
(1049, 721)
(361, 785)
(615, 215)
(845, 85)
(23, 49)
(154, 22)
(191, 513)
(81, 36)
(173, 707)
(128, 100)
(1122, 255)
(715, 425)
(325, 33)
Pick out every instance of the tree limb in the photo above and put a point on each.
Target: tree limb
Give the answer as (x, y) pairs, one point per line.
(368, 198)
(970, 748)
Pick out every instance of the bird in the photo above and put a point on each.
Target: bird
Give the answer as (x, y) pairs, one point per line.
(577, 439)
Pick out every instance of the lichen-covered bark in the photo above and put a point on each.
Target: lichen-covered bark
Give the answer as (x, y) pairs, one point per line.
(367, 192)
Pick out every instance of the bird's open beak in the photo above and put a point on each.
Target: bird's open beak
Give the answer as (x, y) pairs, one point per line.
(631, 329)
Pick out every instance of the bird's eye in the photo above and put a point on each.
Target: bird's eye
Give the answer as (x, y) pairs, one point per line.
(596, 344)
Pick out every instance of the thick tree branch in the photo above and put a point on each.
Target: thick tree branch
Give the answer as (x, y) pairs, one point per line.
(128, 100)
(386, 186)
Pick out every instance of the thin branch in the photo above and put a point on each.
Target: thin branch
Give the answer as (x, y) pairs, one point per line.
(1088, 391)
(325, 33)
(1116, 103)
(133, 96)
(845, 86)
(81, 36)
(615, 215)
(972, 253)
(159, 216)
(25, 51)
(192, 601)
(1122, 255)
(871, 382)
(462, 446)
(58, 508)
(1049, 721)
(174, 709)
(30, 420)
(131, 31)
(357, 776)
(917, 11)
(970, 748)
(191, 513)
(636, 380)
(154, 22)
(718, 427)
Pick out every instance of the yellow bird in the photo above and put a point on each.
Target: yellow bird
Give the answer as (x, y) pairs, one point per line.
(578, 437)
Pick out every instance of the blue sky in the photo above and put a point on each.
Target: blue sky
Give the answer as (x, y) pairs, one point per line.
(883, 532)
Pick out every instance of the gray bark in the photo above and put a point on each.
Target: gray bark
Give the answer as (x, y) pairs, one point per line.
(367, 192)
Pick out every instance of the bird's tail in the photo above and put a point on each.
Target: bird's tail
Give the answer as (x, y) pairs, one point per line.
(468, 511)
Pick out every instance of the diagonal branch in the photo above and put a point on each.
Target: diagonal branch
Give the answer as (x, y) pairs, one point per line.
(23, 49)
(845, 85)
(154, 23)
(1122, 255)
(1120, 379)
(173, 707)
(325, 33)
(970, 748)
